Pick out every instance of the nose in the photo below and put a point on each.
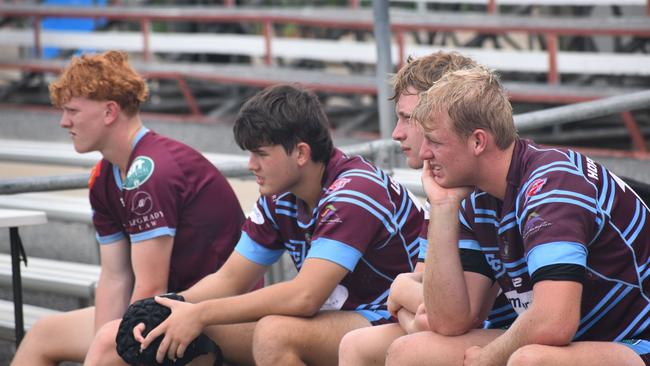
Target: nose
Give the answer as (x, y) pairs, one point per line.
(65, 121)
(425, 152)
(252, 163)
(398, 133)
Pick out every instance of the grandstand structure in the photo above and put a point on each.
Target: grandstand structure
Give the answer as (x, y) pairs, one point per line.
(203, 60)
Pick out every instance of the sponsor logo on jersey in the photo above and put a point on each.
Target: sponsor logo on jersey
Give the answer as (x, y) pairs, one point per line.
(592, 169)
(256, 215)
(141, 203)
(534, 223)
(520, 301)
(336, 299)
(146, 222)
(535, 187)
(338, 184)
(140, 171)
(329, 215)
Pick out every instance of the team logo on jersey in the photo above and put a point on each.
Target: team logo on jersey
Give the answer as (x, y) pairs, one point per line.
(141, 203)
(535, 187)
(338, 184)
(329, 215)
(94, 174)
(534, 223)
(256, 215)
(141, 169)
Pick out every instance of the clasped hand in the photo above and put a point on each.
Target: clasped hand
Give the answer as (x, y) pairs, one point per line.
(179, 329)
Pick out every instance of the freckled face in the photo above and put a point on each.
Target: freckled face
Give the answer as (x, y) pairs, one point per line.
(83, 118)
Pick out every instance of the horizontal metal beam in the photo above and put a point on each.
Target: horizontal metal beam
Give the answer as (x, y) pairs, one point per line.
(582, 111)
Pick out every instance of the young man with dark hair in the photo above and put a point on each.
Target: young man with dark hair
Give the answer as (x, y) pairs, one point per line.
(153, 202)
(567, 241)
(349, 228)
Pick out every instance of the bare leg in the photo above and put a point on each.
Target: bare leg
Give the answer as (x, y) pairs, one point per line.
(427, 348)
(576, 354)
(57, 338)
(286, 340)
(368, 346)
(234, 340)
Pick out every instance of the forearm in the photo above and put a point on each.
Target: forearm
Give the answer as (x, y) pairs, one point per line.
(111, 300)
(445, 291)
(278, 299)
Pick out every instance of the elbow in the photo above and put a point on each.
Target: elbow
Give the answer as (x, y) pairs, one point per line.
(304, 306)
(452, 328)
(557, 332)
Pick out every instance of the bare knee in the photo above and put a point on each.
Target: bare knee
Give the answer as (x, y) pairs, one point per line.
(530, 355)
(34, 348)
(272, 341)
(351, 349)
(400, 352)
(102, 350)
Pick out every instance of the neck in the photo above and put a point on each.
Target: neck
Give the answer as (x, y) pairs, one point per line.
(119, 149)
(493, 176)
(309, 189)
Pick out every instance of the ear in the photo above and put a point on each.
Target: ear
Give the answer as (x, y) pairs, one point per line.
(303, 151)
(111, 113)
(478, 141)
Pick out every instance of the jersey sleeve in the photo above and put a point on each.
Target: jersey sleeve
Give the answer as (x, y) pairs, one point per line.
(471, 255)
(351, 218)
(107, 228)
(260, 241)
(422, 237)
(558, 217)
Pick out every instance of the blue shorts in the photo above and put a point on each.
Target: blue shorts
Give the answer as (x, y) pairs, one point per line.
(377, 317)
(640, 346)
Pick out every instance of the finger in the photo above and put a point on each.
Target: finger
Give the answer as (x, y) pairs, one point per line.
(164, 301)
(172, 351)
(155, 332)
(162, 349)
(180, 352)
(137, 332)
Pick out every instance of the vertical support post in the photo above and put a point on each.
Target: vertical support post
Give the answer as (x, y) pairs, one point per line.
(492, 6)
(638, 142)
(38, 48)
(354, 4)
(384, 67)
(400, 48)
(145, 26)
(551, 48)
(229, 3)
(16, 246)
(268, 33)
(189, 97)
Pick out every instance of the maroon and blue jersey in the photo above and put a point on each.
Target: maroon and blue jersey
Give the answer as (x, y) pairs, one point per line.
(169, 189)
(364, 221)
(565, 217)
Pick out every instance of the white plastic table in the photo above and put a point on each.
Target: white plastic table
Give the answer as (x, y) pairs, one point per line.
(13, 219)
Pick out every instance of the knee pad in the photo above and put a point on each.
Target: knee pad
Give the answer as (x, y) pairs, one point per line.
(149, 312)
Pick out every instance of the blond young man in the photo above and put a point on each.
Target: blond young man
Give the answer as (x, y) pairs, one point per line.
(368, 346)
(566, 240)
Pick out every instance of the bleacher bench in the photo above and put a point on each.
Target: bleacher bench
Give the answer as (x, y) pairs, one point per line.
(30, 315)
(55, 276)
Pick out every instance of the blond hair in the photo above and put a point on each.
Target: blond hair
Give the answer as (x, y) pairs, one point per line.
(420, 73)
(473, 99)
(105, 76)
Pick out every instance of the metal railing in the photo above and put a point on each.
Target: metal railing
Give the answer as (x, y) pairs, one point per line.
(524, 122)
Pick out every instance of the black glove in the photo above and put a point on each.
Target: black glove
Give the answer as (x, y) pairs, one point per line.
(149, 312)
